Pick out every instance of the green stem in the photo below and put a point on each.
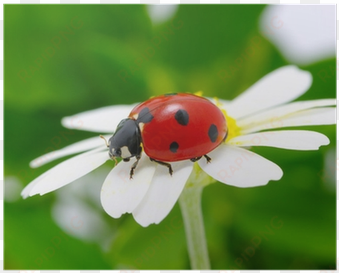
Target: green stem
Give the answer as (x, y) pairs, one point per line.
(190, 204)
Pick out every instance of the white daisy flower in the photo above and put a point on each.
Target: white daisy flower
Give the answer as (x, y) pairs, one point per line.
(152, 192)
(303, 34)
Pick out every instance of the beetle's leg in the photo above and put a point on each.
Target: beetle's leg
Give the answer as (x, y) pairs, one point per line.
(135, 164)
(208, 158)
(170, 170)
(195, 159)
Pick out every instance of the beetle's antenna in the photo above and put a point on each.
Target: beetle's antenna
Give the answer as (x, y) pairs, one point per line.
(113, 157)
(101, 136)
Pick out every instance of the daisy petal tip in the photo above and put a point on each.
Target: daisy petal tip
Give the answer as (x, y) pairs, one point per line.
(303, 76)
(145, 221)
(111, 213)
(39, 161)
(278, 175)
(107, 208)
(326, 141)
(72, 122)
(308, 77)
(317, 141)
(143, 224)
(24, 195)
(27, 193)
(65, 121)
(33, 192)
(34, 164)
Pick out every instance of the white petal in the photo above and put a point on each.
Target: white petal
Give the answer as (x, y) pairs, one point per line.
(81, 146)
(239, 167)
(103, 119)
(294, 140)
(317, 116)
(281, 111)
(26, 192)
(66, 172)
(119, 193)
(163, 193)
(303, 33)
(161, 13)
(280, 86)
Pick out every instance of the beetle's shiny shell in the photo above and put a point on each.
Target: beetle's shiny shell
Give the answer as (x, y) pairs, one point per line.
(179, 126)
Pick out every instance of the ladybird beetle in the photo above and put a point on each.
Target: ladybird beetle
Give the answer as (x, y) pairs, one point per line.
(171, 127)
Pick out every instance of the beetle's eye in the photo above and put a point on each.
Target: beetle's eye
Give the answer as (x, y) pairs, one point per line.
(117, 152)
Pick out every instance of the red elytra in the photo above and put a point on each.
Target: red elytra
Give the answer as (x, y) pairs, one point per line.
(179, 126)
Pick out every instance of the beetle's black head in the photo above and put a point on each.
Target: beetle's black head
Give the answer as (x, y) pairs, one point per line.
(126, 141)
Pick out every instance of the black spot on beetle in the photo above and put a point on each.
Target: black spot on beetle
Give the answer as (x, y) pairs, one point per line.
(182, 117)
(213, 133)
(145, 116)
(174, 147)
(170, 94)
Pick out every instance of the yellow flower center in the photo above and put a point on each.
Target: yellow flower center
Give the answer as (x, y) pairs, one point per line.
(233, 128)
(198, 93)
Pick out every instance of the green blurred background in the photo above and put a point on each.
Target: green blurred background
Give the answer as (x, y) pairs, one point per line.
(64, 59)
